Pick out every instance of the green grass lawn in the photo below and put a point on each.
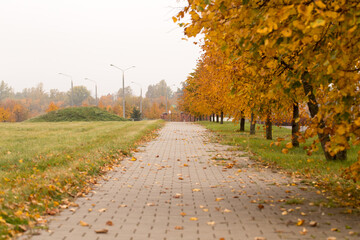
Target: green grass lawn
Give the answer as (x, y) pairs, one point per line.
(42, 164)
(326, 174)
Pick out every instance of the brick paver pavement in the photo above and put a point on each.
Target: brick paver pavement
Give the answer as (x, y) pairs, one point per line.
(182, 172)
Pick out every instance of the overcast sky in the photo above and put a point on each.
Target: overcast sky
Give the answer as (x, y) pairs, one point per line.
(81, 38)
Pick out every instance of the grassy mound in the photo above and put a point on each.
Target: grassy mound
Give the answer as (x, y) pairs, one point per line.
(77, 114)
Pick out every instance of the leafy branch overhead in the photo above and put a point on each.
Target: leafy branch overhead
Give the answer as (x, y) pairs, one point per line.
(265, 57)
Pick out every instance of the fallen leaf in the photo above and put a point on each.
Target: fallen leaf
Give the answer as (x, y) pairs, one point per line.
(196, 190)
(304, 231)
(179, 228)
(331, 238)
(122, 205)
(151, 204)
(227, 210)
(335, 230)
(133, 159)
(259, 238)
(300, 222)
(104, 230)
(84, 224)
(180, 178)
(52, 212)
(177, 195)
(284, 213)
(219, 199)
(89, 210)
(109, 223)
(205, 209)
(211, 223)
(183, 214)
(313, 223)
(102, 210)
(260, 206)
(193, 218)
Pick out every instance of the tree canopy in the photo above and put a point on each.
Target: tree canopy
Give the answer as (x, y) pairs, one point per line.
(272, 55)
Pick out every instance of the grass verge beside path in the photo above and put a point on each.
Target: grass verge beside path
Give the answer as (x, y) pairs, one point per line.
(314, 169)
(43, 165)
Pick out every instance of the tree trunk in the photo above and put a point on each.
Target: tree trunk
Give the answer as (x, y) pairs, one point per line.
(217, 118)
(242, 122)
(295, 125)
(222, 118)
(252, 125)
(314, 109)
(268, 125)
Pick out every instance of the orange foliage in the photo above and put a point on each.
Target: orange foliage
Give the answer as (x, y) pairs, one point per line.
(52, 107)
(4, 114)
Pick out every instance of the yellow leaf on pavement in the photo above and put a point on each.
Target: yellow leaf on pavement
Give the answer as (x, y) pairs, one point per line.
(104, 230)
(300, 222)
(84, 224)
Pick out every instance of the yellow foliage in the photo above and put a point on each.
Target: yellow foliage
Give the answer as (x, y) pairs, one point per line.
(261, 58)
(52, 107)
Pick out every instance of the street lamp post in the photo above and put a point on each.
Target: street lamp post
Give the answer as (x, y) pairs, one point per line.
(123, 83)
(140, 97)
(72, 87)
(165, 93)
(96, 98)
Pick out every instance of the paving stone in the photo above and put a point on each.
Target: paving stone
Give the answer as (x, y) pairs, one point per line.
(181, 160)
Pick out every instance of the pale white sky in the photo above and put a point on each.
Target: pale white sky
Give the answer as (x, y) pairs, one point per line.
(40, 38)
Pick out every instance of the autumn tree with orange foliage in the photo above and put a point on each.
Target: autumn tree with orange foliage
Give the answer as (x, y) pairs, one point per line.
(52, 107)
(298, 51)
(4, 114)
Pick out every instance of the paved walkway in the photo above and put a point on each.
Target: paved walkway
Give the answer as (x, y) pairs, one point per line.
(183, 187)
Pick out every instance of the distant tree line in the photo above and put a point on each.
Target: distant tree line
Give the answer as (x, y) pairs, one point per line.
(30, 102)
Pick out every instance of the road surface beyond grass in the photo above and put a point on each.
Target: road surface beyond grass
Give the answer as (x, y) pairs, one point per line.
(42, 165)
